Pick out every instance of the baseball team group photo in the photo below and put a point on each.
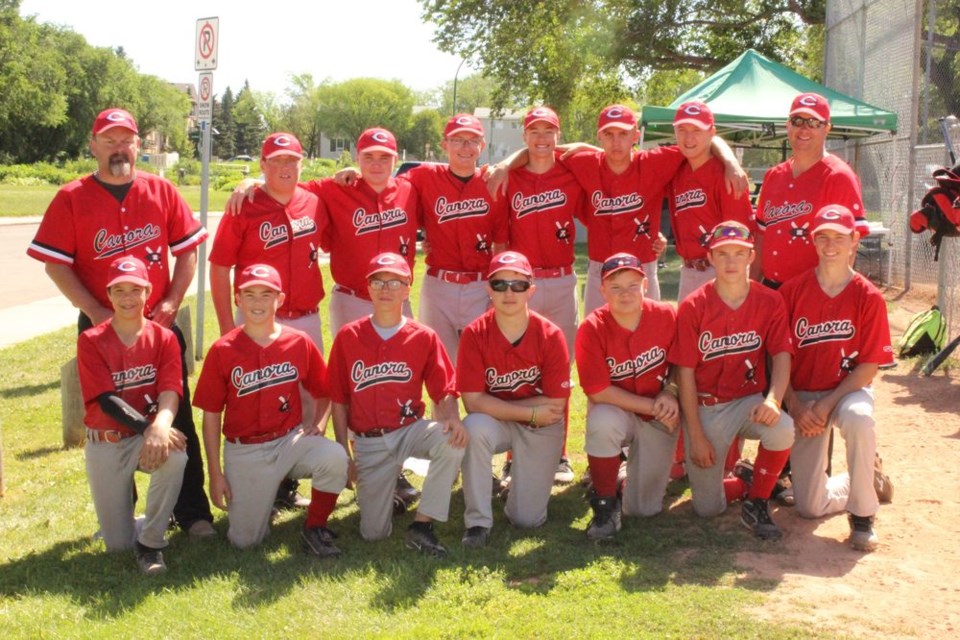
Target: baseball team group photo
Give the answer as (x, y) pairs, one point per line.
(441, 390)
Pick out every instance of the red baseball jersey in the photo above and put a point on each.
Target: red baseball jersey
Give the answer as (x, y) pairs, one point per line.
(786, 208)
(728, 348)
(258, 388)
(381, 380)
(542, 208)
(287, 237)
(86, 227)
(834, 335)
(636, 361)
(137, 374)
(538, 366)
(461, 220)
(623, 210)
(363, 223)
(698, 202)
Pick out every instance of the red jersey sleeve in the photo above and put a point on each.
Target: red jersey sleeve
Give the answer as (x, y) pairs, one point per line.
(555, 373)
(51, 244)
(591, 359)
(315, 378)
(778, 338)
(439, 377)
(183, 229)
(470, 362)
(211, 392)
(227, 242)
(169, 368)
(95, 376)
(683, 352)
(338, 384)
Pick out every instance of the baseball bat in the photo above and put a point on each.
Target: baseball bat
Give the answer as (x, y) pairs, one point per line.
(945, 124)
(938, 359)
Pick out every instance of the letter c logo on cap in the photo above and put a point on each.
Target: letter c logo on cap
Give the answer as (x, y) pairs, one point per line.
(127, 266)
(282, 141)
(463, 120)
(380, 136)
(831, 214)
(692, 110)
(616, 112)
(260, 272)
(116, 116)
(808, 101)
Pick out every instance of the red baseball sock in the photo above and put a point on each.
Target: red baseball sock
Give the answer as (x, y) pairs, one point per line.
(734, 489)
(321, 506)
(766, 470)
(603, 474)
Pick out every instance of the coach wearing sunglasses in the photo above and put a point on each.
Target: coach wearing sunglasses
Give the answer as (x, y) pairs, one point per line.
(513, 374)
(794, 190)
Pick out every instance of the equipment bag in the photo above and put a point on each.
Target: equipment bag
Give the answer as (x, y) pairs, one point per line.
(940, 209)
(925, 334)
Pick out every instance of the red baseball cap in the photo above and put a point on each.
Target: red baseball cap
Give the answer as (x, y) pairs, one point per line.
(730, 232)
(389, 263)
(463, 123)
(259, 274)
(128, 269)
(281, 144)
(619, 262)
(694, 112)
(541, 114)
(811, 104)
(512, 261)
(835, 217)
(110, 118)
(618, 116)
(377, 139)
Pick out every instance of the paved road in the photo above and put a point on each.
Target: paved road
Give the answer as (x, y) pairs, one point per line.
(30, 304)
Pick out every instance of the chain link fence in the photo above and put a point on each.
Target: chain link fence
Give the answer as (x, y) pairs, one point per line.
(880, 51)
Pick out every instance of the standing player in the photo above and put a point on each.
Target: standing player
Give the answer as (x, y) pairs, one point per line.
(119, 211)
(250, 390)
(839, 324)
(464, 228)
(725, 330)
(794, 190)
(513, 372)
(130, 378)
(622, 359)
(698, 197)
(281, 227)
(379, 366)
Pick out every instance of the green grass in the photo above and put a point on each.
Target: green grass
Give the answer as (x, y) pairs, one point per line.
(18, 201)
(672, 575)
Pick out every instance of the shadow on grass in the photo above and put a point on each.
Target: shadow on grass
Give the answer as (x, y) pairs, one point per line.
(29, 390)
(37, 453)
(649, 555)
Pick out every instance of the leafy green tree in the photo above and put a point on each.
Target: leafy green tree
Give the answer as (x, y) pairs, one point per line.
(422, 136)
(224, 144)
(476, 90)
(349, 107)
(543, 51)
(945, 60)
(251, 127)
(302, 116)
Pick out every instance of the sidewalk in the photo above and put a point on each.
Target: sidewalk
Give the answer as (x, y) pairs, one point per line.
(27, 321)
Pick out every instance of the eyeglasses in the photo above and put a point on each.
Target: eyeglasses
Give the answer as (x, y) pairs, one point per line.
(465, 142)
(392, 285)
(809, 123)
(730, 231)
(517, 286)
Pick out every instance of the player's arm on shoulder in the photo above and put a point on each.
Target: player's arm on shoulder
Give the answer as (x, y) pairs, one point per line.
(184, 268)
(347, 176)
(219, 487)
(735, 177)
(245, 189)
(497, 175)
(570, 149)
(74, 290)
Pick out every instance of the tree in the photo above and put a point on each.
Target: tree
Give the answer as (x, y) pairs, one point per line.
(543, 50)
(249, 122)
(302, 116)
(348, 108)
(224, 144)
(422, 136)
(476, 90)
(945, 60)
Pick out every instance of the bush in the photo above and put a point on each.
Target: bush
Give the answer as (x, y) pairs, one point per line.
(318, 168)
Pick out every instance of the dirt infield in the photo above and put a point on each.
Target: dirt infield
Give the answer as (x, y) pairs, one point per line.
(909, 587)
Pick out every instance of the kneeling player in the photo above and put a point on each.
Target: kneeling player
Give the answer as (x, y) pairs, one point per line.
(839, 324)
(513, 371)
(249, 386)
(130, 378)
(379, 366)
(622, 359)
(725, 331)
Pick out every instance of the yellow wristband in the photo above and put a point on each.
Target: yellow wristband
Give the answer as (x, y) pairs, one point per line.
(672, 389)
(773, 401)
(533, 417)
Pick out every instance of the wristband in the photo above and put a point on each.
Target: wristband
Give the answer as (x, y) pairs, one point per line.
(533, 417)
(672, 389)
(773, 401)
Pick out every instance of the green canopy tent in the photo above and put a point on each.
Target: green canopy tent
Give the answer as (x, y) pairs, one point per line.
(750, 99)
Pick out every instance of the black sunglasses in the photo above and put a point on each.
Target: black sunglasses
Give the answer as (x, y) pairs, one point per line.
(809, 123)
(517, 286)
